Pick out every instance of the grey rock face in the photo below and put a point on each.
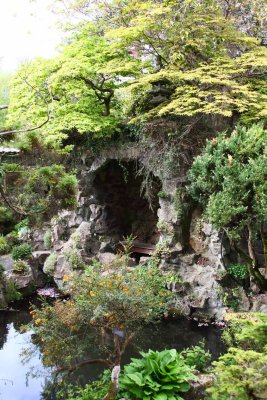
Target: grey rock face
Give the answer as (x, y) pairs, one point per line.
(96, 227)
(7, 262)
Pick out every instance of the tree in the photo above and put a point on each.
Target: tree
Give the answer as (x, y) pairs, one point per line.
(206, 52)
(229, 179)
(188, 32)
(225, 87)
(78, 87)
(107, 308)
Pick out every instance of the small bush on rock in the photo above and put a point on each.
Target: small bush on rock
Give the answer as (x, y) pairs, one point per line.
(48, 239)
(21, 252)
(50, 263)
(4, 246)
(20, 267)
(13, 239)
(74, 259)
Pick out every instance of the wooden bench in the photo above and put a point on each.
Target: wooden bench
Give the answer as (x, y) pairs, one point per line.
(139, 247)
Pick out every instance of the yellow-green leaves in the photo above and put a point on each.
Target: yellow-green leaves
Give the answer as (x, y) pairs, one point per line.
(223, 87)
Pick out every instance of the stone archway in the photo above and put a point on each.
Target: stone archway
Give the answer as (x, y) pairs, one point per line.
(124, 210)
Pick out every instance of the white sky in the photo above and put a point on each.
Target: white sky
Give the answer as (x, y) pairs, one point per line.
(27, 30)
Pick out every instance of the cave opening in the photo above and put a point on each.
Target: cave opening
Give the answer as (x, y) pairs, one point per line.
(125, 210)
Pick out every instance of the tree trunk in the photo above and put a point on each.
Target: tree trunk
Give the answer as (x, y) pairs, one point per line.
(114, 384)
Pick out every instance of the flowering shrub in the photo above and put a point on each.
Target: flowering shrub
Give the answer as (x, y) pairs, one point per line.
(115, 301)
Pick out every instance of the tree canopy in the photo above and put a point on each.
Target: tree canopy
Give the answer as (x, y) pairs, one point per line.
(144, 60)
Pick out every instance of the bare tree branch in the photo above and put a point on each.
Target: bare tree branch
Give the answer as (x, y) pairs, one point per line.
(3, 107)
(11, 206)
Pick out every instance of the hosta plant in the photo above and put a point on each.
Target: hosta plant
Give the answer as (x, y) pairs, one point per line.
(158, 375)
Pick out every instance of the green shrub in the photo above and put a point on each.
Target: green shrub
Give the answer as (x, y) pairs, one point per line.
(242, 372)
(92, 391)
(163, 195)
(23, 228)
(238, 271)
(48, 239)
(197, 357)
(11, 292)
(13, 238)
(247, 330)
(4, 246)
(74, 259)
(6, 217)
(20, 267)
(240, 375)
(157, 376)
(21, 252)
(50, 263)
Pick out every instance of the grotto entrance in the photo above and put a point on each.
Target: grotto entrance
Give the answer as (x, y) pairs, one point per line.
(124, 208)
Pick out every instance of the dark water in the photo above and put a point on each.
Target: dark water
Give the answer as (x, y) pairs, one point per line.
(17, 383)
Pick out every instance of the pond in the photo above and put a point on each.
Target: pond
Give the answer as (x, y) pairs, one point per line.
(17, 382)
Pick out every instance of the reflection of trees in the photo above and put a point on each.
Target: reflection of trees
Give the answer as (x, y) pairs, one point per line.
(3, 329)
(17, 318)
(177, 334)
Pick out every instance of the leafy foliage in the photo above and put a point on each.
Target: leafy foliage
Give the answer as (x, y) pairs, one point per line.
(197, 357)
(20, 267)
(247, 330)
(145, 59)
(50, 263)
(220, 88)
(241, 372)
(4, 246)
(230, 180)
(39, 193)
(157, 376)
(11, 292)
(240, 375)
(21, 252)
(238, 271)
(118, 302)
(77, 87)
(93, 391)
(48, 239)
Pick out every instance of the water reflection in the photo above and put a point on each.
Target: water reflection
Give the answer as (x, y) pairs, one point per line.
(15, 382)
